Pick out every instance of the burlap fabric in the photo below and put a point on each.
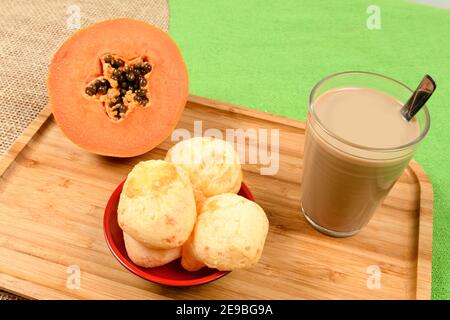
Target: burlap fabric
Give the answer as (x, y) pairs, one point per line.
(9, 296)
(30, 32)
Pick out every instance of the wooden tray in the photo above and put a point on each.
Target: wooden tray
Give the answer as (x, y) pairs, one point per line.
(52, 196)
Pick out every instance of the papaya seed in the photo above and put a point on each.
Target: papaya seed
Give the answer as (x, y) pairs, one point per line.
(108, 59)
(142, 82)
(128, 79)
(90, 91)
(130, 75)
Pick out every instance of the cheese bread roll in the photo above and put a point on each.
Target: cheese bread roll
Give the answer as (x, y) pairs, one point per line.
(157, 205)
(212, 164)
(149, 258)
(229, 234)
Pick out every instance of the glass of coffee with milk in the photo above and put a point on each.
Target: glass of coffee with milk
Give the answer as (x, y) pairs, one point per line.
(359, 139)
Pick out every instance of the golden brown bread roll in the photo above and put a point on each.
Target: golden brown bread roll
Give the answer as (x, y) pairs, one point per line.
(157, 206)
(148, 258)
(212, 164)
(189, 261)
(229, 234)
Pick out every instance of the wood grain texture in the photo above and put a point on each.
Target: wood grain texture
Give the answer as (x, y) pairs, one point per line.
(52, 196)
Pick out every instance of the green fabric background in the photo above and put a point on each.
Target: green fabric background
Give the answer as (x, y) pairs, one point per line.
(267, 55)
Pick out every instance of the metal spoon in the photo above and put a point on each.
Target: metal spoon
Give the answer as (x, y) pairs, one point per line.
(419, 97)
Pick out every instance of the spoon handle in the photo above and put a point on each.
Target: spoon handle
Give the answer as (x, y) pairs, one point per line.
(419, 97)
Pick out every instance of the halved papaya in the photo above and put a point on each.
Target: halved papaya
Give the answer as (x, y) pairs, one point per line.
(118, 87)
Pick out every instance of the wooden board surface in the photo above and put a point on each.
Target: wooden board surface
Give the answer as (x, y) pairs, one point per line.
(52, 197)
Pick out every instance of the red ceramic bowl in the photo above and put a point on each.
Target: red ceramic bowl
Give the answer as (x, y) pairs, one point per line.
(171, 274)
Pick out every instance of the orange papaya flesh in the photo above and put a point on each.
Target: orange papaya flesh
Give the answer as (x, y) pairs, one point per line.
(118, 87)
